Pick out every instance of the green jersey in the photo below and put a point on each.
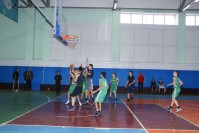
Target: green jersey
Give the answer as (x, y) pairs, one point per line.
(177, 84)
(177, 89)
(114, 84)
(104, 84)
(114, 81)
(102, 93)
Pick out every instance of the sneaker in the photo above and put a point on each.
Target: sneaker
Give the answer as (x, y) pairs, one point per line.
(178, 109)
(169, 108)
(71, 109)
(132, 98)
(100, 112)
(86, 101)
(67, 102)
(80, 104)
(128, 100)
(97, 113)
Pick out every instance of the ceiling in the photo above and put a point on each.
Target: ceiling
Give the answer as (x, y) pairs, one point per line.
(121, 4)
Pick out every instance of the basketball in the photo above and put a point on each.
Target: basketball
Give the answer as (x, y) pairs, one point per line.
(72, 66)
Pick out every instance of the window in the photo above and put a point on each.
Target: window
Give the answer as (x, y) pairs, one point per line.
(190, 20)
(159, 19)
(149, 18)
(136, 18)
(170, 19)
(125, 18)
(197, 20)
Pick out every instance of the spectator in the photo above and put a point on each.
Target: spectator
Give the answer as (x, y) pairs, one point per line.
(153, 86)
(58, 80)
(28, 76)
(15, 77)
(140, 82)
(161, 86)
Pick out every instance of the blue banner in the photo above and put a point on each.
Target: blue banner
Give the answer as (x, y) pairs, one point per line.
(9, 8)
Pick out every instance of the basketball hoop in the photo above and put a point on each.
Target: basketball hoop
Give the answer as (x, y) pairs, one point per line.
(71, 40)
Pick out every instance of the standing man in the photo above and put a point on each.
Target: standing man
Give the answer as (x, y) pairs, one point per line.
(58, 80)
(140, 82)
(28, 76)
(130, 84)
(89, 84)
(15, 78)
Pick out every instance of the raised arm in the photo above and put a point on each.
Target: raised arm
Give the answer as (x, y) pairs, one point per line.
(87, 62)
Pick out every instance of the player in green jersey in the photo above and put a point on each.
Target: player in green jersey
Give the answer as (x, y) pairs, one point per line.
(113, 89)
(103, 87)
(176, 85)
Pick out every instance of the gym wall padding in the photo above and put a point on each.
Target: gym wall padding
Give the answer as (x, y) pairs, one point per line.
(45, 75)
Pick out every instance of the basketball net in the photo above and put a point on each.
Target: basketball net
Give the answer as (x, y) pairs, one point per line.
(71, 40)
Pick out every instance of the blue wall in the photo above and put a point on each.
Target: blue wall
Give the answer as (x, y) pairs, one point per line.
(45, 75)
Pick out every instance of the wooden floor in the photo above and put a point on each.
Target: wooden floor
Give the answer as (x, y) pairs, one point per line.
(146, 113)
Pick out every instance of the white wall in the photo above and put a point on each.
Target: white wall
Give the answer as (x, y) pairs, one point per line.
(141, 46)
(94, 42)
(192, 44)
(149, 43)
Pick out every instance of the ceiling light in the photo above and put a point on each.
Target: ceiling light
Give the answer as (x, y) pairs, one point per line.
(115, 6)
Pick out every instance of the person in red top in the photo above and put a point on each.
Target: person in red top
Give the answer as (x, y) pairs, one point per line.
(140, 82)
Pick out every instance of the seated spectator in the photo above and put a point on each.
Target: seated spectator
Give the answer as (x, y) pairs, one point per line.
(153, 86)
(161, 86)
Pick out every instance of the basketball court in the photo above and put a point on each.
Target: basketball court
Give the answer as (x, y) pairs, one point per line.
(117, 36)
(146, 113)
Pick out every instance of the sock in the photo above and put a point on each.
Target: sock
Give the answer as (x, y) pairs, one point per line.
(178, 107)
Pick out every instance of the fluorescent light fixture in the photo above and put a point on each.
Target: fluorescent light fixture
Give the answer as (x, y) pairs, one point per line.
(115, 6)
(186, 7)
(196, 1)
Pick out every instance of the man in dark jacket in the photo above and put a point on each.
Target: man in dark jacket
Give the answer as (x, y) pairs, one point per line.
(15, 78)
(58, 80)
(28, 76)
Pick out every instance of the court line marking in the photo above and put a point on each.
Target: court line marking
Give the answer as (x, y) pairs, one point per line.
(71, 127)
(91, 127)
(135, 117)
(74, 116)
(31, 110)
(174, 129)
(180, 116)
(41, 95)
